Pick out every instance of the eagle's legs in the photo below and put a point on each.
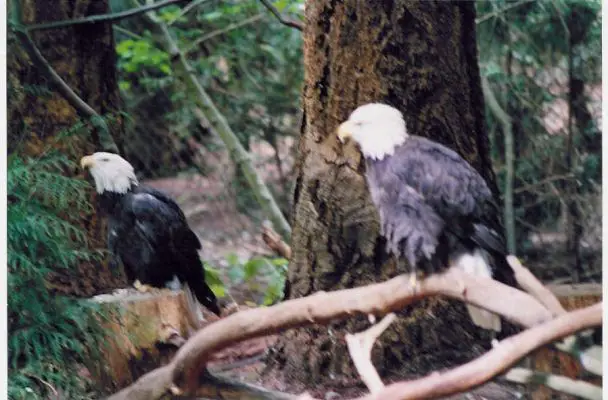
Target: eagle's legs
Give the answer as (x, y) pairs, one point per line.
(142, 288)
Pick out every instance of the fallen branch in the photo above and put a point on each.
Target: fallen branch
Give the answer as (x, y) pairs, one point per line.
(360, 349)
(494, 362)
(532, 285)
(321, 308)
(560, 383)
(285, 21)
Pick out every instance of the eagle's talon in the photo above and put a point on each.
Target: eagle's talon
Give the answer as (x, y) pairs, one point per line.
(142, 288)
(414, 282)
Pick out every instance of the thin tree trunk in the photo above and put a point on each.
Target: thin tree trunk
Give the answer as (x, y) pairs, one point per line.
(420, 57)
(84, 57)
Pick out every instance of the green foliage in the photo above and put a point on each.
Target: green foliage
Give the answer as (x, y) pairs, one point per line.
(136, 55)
(258, 273)
(49, 335)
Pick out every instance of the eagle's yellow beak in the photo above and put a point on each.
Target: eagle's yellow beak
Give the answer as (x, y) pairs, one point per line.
(344, 131)
(87, 161)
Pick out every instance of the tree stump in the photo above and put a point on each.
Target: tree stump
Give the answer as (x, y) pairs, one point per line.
(144, 331)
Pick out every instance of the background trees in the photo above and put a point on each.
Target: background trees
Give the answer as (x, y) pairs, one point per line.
(540, 66)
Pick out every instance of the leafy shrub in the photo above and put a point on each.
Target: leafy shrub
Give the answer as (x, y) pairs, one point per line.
(48, 335)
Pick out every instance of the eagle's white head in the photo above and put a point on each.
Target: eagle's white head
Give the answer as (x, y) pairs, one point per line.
(111, 172)
(377, 129)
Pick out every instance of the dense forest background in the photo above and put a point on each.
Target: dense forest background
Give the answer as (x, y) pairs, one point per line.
(541, 76)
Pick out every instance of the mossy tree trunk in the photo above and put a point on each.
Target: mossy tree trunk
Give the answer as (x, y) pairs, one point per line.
(420, 57)
(85, 58)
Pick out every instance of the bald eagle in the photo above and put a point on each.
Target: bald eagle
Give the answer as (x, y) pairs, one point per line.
(435, 210)
(147, 231)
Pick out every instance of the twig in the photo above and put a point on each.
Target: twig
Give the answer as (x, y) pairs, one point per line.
(500, 11)
(360, 349)
(275, 243)
(218, 32)
(193, 4)
(530, 284)
(105, 138)
(322, 308)
(127, 32)
(285, 21)
(113, 17)
(45, 383)
(497, 360)
(560, 383)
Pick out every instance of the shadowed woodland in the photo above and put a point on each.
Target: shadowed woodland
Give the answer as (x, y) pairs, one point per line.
(231, 109)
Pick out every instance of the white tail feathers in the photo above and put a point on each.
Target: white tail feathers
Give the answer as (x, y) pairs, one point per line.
(483, 318)
(476, 264)
(194, 307)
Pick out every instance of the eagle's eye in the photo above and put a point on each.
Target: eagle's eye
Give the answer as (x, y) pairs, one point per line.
(105, 159)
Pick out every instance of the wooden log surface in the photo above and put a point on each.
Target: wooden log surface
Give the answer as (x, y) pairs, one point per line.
(145, 330)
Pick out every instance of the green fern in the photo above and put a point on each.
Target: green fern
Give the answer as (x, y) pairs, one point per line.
(49, 335)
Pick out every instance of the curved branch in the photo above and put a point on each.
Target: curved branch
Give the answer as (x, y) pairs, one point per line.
(285, 21)
(321, 308)
(494, 362)
(113, 17)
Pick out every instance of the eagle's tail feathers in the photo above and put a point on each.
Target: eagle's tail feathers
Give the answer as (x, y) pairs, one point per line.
(484, 319)
(476, 263)
(194, 307)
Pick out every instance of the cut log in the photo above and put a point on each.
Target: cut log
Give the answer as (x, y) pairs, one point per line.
(145, 331)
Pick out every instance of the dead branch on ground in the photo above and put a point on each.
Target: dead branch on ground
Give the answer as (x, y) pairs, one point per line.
(557, 382)
(188, 365)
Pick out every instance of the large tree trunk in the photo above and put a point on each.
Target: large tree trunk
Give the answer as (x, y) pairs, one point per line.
(420, 57)
(84, 57)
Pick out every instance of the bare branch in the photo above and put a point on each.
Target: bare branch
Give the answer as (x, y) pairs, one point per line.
(193, 4)
(497, 360)
(322, 308)
(500, 11)
(285, 21)
(560, 383)
(360, 349)
(218, 32)
(113, 17)
(530, 284)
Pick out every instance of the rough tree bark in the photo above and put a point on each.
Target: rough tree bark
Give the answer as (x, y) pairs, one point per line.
(84, 57)
(420, 57)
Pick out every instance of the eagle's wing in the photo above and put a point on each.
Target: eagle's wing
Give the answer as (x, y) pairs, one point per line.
(162, 222)
(410, 225)
(454, 189)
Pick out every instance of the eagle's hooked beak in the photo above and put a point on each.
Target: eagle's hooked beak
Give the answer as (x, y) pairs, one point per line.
(344, 131)
(87, 161)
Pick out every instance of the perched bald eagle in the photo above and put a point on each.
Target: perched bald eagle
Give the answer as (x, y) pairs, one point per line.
(147, 230)
(435, 210)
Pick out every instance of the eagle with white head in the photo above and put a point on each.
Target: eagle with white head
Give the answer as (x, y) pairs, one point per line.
(435, 210)
(147, 231)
